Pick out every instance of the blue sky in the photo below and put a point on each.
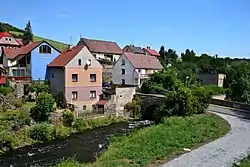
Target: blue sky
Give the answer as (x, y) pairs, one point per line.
(208, 26)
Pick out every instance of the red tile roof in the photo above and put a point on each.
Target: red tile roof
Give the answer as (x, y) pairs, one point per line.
(5, 34)
(101, 102)
(152, 52)
(64, 58)
(143, 61)
(12, 53)
(19, 40)
(99, 46)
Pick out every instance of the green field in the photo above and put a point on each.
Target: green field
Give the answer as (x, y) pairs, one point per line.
(58, 45)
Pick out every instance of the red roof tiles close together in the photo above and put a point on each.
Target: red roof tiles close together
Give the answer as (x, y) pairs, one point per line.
(64, 58)
(99, 46)
(12, 53)
(152, 52)
(102, 102)
(143, 61)
(5, 34)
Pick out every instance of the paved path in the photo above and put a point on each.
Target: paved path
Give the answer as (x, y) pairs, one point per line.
(222, 152)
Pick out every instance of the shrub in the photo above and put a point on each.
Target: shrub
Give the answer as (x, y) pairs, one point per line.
(61, 100)
(215, 90)
(61, 131)
(5, 90)
(134, 107)
(42, 132)
(21, 118)
(17, 103)
(44, 107)
(79, 125)
(68, 118)
(184, 102)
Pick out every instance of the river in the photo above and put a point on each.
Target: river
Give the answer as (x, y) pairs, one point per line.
(81, 146)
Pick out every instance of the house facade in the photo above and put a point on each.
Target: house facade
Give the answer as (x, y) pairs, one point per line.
(26, 63)
(134, 69)
(8, 41)
(78, 74)
(133, 49)
(106, 52)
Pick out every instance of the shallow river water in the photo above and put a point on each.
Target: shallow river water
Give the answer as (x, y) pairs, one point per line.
(81, 146)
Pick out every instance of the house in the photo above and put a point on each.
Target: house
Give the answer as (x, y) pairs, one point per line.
(27, 63)
(106, 52)
(133, 49)
(151, 52)
(212, 79)
(7, 40)
(102, 49)
(133, 69)
(77, 74)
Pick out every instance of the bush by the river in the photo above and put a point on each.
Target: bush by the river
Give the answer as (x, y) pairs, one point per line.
(27, 134)
(43, 108)
(86, 124)
(68, 118)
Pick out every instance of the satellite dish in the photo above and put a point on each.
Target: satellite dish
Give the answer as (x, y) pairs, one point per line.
(88, 62)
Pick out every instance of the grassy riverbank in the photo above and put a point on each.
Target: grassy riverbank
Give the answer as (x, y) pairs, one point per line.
(244, 163)
(15, 132)
(159, 143)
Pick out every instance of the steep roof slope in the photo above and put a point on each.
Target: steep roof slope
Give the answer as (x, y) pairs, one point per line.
(100, 46)
(143, 61)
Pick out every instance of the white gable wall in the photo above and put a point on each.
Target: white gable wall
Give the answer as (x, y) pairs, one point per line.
(130, 73)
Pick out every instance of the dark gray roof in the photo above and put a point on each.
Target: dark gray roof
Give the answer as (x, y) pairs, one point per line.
(135, 49)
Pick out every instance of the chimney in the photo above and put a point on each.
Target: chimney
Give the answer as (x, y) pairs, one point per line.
(70, 47)
(148, 47)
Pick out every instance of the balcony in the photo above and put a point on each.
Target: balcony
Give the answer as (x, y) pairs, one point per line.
(19, 74)
(144, 76)
(2, 80)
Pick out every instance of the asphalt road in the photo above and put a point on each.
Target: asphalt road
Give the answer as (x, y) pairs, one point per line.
(225, 151)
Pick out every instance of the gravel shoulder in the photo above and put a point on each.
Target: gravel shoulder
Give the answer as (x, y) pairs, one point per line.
(223, 152)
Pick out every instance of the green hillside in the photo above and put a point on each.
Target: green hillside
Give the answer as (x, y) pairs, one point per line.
(17, 32)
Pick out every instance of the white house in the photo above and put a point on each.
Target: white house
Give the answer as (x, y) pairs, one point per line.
(133, 69)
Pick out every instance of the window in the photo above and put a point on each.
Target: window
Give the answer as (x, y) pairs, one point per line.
(123, 62)
(93, 94)
(123, 71)
(52, 75)
(123, 81)
(84, 107)
(94, 55)
(79, 62)
(74, 95)
(92, 77)
(44, 49)
(139, 70)
(9, 39)
(18, 72)
(93, 107)
(74, 77)
(6, 39)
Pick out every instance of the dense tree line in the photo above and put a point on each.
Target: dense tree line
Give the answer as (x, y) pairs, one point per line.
(185, 94)
(188, 64)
